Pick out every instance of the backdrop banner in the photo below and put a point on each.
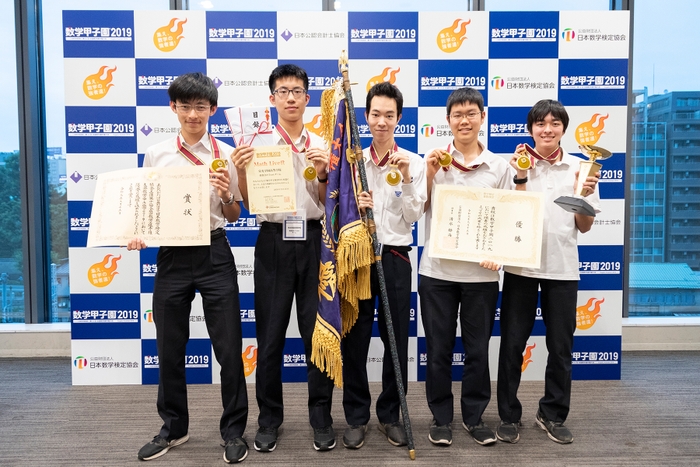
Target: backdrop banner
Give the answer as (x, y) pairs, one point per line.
(119, 64)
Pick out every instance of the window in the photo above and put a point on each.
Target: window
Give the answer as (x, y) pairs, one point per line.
(671, 95)
(11, 255)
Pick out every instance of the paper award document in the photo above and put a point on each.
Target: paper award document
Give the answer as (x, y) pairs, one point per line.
(270, 178)
(164, 206)
(477, 224)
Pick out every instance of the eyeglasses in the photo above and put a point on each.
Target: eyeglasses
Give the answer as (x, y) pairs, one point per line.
(469, 116)
(187, 108)
(284, 92)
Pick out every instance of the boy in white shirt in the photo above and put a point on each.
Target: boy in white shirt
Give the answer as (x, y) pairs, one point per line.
(447, 287)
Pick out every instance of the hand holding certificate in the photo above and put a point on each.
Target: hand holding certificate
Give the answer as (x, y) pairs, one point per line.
(161, 205)
(480, 224)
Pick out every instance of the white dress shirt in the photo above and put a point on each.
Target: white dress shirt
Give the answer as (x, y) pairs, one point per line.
(166, 154)
(559, 237)
(396, 208)
(306, 192)
(492, 173)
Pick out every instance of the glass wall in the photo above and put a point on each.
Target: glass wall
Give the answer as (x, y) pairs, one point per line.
(545, 5)
(261, 5)
(11, 280)
(664, 206)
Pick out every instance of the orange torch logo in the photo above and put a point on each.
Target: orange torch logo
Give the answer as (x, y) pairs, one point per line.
(165, 38)
(314, 126)
(586, 316)
(527, 357)
(95, 86)
(250, 360)
(100, 274)
(383, 77)
(450, 39)
(588, 134)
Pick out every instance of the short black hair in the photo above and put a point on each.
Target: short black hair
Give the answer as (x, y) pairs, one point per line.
(286, 71)
(193, 86)
(465, 96)
(539, 112)
(385, 89)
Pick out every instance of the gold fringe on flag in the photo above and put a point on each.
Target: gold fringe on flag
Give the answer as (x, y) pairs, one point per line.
(354, 257)
(325, 351)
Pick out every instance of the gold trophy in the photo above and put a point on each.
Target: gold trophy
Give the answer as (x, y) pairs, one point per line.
(586, 136)
(309, 171)
(445, 160)
(577, 203)
(393, 178)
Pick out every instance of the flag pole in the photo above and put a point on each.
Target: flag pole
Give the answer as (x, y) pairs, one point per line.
(357, 149)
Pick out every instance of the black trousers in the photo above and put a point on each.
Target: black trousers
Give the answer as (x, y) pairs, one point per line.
(518, 311)
(285, 270)
(440, 302)
(212, 271)
(356, 396)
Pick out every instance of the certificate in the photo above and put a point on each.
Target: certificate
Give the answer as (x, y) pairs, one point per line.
(477, 224)
(161, 205)
(270, 178)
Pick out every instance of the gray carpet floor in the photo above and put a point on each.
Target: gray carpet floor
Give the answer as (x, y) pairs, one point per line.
(649, 418)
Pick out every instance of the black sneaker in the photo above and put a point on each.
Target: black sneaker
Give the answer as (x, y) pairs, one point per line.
(440, 435)
(395, 433)
(556, 431)
(159, 446)
(354, 436)
(265, 439)
(508, 432)
(481, 433)
(324, 438)
(235, 451)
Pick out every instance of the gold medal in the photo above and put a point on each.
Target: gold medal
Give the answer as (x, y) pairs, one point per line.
(310, 173)
(393, 178)
(445, 160)
(524, 162)
(218, 164)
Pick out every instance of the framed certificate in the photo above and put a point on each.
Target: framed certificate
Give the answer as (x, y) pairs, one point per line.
(477, 224)
(270, 178)
(164, 206)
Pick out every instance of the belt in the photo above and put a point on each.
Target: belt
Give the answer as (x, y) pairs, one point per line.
(310, 224)
(218, 233)
(400, 249)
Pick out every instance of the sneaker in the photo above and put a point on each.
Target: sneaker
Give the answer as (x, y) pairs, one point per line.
(265, 439)
(395, 433)
(235, 451)
(556, 431)
(481, 433)
(159, 446)
(324, 438)
(354, 436)
(440, 434)
(508, 432)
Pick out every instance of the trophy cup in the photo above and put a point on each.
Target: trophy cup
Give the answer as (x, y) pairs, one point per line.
(577, 203)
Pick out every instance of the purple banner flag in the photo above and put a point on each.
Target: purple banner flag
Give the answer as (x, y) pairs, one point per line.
(346, 255)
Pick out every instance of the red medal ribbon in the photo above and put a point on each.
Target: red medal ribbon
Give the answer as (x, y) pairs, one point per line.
(287, 139)
(190, 156)
(459, 166)
(385, 159)
(551, 158)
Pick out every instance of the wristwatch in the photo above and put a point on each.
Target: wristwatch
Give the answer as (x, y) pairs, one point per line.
(230, 200)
